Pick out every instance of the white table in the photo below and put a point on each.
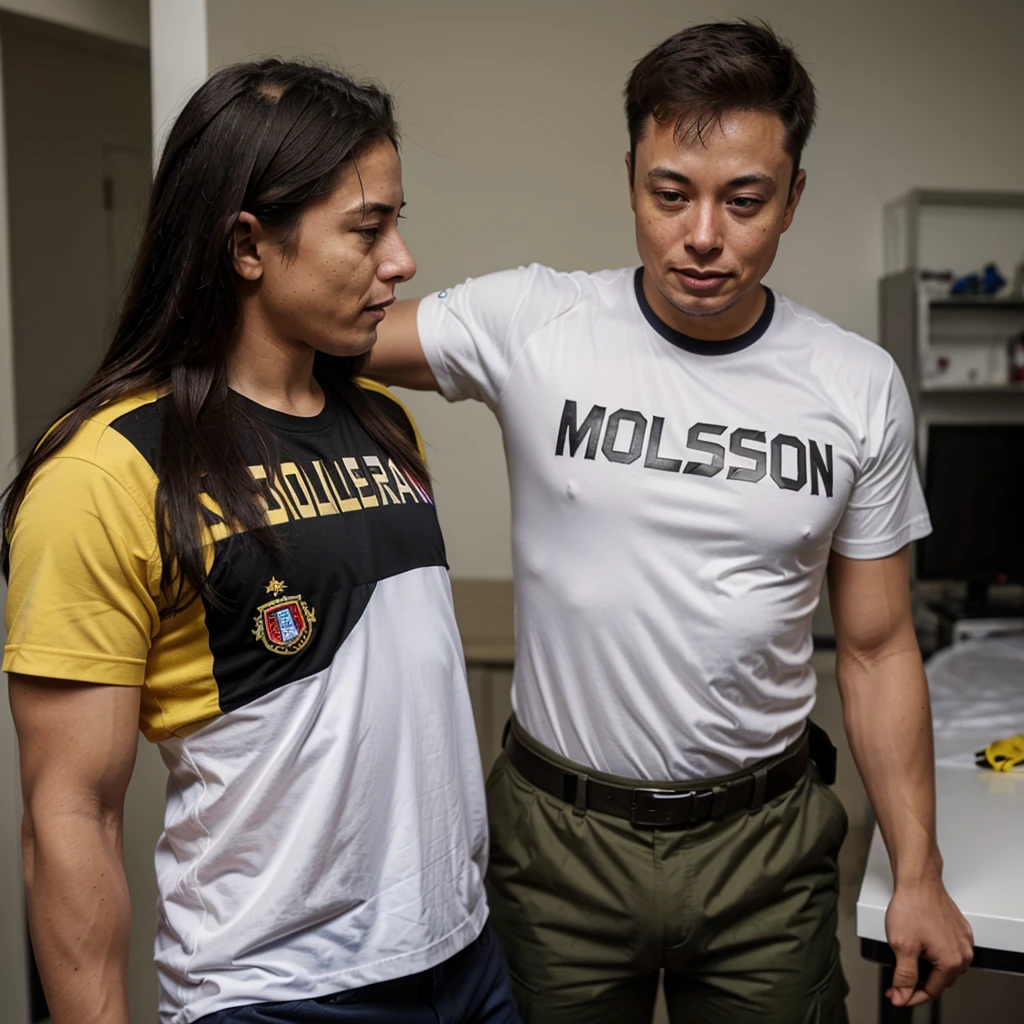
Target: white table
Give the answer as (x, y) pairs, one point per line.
(981, 835)
(977, 697)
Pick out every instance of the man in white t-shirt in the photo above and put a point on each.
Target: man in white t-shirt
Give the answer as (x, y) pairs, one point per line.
(689, 453)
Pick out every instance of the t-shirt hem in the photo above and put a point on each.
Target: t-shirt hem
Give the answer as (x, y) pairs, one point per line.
(885, 546)
(388, 969)
(79, 667)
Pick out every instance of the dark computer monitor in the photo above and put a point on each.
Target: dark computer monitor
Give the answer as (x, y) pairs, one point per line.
(974, 484)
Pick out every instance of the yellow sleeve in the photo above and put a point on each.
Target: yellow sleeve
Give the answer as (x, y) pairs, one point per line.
(84, 562)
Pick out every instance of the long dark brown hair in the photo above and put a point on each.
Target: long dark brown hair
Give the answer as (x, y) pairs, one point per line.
(265, 137)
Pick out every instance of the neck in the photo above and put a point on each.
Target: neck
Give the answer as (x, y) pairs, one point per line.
(730, 323)
(273, 371)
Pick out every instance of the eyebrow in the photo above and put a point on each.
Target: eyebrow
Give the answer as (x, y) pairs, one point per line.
(367, 208)
(740, 182)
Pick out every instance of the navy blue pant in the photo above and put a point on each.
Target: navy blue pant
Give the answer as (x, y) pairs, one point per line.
(470, 988)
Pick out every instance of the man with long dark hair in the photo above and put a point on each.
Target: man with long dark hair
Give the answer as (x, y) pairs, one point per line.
(229, 540)
(688, 452)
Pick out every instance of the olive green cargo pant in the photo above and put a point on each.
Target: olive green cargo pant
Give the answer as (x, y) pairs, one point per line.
(740, 912)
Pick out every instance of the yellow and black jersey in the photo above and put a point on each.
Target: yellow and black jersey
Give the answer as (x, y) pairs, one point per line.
(325, 820)
(84, 601)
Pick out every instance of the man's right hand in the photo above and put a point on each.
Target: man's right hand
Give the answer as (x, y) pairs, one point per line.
(398, 358)
(77, 744)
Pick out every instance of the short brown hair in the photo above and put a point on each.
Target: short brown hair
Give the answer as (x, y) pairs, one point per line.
(703, 72)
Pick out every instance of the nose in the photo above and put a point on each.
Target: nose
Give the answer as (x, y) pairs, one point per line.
(398, 265)
(704, 230)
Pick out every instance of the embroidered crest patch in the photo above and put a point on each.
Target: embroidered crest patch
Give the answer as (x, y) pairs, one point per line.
(285, 624)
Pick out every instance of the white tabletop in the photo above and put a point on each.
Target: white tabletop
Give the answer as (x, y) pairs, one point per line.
(981, 836)
(977, 691)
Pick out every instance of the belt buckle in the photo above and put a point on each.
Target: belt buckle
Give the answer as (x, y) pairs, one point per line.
(648, 816)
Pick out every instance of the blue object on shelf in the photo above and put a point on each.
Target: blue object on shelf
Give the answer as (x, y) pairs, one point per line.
(969, 284)
(991, 280)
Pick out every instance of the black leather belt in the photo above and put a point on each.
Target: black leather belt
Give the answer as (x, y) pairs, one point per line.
(650, 807)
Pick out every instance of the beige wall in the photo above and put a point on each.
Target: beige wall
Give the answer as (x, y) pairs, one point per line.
(514, 139)
(127, 21)
(72, 112)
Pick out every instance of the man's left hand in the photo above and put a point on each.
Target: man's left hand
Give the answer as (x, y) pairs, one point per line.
(922, 922)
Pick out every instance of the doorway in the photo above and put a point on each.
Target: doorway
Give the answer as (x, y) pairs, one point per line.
(77, 141)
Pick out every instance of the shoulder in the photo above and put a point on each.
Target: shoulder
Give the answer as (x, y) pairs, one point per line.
(394, 408)
(532, 295)
(99, 484)
(834, 349)
(118, 443)
(576, 287)
(136, 421)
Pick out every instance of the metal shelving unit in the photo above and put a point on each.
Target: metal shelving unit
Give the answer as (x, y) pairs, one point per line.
(902, 218)
(951, 350)
(976, 302)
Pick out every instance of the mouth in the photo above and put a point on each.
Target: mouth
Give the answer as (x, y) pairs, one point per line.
(702, 280)
(378, 309)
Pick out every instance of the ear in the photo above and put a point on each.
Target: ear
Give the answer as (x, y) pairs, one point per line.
(629, 175)
(795, 192)
(246, 245)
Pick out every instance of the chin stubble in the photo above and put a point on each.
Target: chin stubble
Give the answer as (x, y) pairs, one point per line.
(701, 312)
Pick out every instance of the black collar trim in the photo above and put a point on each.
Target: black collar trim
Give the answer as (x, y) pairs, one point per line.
(695, 345)
(323, 420)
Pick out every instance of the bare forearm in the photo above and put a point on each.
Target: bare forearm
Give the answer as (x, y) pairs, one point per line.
(888, 721)
(80, 916)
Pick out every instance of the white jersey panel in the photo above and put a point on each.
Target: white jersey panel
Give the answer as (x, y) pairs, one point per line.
(674, 504)
(332, 833)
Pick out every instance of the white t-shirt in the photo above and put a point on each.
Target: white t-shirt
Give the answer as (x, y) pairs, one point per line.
(673, 507)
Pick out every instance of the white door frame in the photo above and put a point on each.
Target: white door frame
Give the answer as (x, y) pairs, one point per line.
(178, 60)
(13, 944)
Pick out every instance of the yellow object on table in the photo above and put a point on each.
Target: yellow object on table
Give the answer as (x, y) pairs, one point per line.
(1003, 755)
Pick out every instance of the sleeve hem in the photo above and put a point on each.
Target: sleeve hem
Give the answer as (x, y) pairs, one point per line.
(882, 547)
(432, 351)
(79, 667)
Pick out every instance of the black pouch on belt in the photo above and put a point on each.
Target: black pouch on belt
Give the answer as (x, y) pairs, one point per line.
(823, 754)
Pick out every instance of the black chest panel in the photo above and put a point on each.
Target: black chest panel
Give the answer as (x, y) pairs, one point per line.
(346, 516)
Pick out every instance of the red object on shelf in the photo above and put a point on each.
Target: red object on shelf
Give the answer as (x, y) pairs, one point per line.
(1016, 359)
